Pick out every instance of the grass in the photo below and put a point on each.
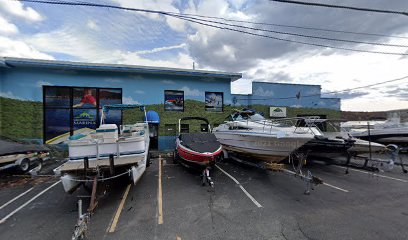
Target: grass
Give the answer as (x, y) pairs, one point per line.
(24, 119)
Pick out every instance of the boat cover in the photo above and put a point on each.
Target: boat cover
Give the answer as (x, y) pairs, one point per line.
(200, 142)
(8, 148)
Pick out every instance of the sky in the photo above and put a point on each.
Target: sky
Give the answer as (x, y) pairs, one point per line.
(75, 33)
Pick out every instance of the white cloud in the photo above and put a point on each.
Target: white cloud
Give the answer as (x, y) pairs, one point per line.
(6, 27)
(17, 48)
(191, 92)
(139, 92)
(41, 83)
(168, 82)
(17, 9)
(129, 100)
(160, 49)
(91, 24)
(113, 80)
(157, 5)
(9, 94)
(263, 93)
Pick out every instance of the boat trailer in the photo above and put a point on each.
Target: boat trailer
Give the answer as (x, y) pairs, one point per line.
(297, 159)
(378, 164)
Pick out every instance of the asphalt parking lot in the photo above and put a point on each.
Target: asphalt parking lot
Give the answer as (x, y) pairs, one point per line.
(170, 203)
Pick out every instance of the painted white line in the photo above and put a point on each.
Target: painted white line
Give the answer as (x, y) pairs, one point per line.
(341, 189)
(375, 174)
(326, 184)
(28, 202)
(14, 199)
(240, 186)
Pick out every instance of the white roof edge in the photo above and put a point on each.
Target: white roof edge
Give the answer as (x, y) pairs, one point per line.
(29, 61)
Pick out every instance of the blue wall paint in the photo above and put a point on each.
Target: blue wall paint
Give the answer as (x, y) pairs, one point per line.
(26, 83)
(281, 94)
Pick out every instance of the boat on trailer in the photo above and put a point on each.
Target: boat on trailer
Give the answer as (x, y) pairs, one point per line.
(391, 131)
(107, 152)
(249, 134)
(198, 150)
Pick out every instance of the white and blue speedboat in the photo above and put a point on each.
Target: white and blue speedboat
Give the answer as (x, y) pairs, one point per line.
(107, 152)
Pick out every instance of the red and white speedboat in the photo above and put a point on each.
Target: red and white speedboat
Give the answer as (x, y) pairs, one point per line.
(198, 150)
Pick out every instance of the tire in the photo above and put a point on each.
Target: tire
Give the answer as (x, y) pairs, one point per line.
(39, 165)
(24, 165)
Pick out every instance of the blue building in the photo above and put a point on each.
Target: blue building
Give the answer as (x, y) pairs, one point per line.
(51, 100)
(287, 95)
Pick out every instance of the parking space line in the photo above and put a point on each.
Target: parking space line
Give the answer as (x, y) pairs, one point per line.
(160, 193)
(341, 189)
(326, 184)
(375, 174)
(28, 202)
(240, 186)
(14, 199)
(119, 210)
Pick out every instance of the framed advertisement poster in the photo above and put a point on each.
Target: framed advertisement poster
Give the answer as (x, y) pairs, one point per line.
(174, 100)
(214, 101)
(72, 110)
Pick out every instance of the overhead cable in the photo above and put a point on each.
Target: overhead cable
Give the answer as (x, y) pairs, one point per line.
(316, 4)
(202, 22)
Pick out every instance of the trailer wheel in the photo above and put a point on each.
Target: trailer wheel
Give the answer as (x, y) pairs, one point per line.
(39, 165)
(24, 165)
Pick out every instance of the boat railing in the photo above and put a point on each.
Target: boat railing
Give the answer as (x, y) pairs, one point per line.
(268, 125)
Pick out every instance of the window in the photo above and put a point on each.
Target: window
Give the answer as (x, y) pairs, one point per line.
(214, 101)
(185, 128)
(174, 100)
(68, 110)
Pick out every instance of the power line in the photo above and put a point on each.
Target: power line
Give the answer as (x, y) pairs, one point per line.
(263, 23)
(293, 26)
(297, 34)
(209, 25)
(332, 92)
(342, 7)
(290, 40)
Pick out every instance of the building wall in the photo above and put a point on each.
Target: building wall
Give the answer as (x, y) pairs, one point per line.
(22, 108)
(289, 95)
(21, 96)
(26, 83)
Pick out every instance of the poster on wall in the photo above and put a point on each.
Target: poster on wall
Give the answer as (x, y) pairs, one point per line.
(58, 125)
(214, 101)
(109, 96)
(84, 118)
(73, 110)
(174, 100)
(277, 112)
(57, 97)
(84, 98)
